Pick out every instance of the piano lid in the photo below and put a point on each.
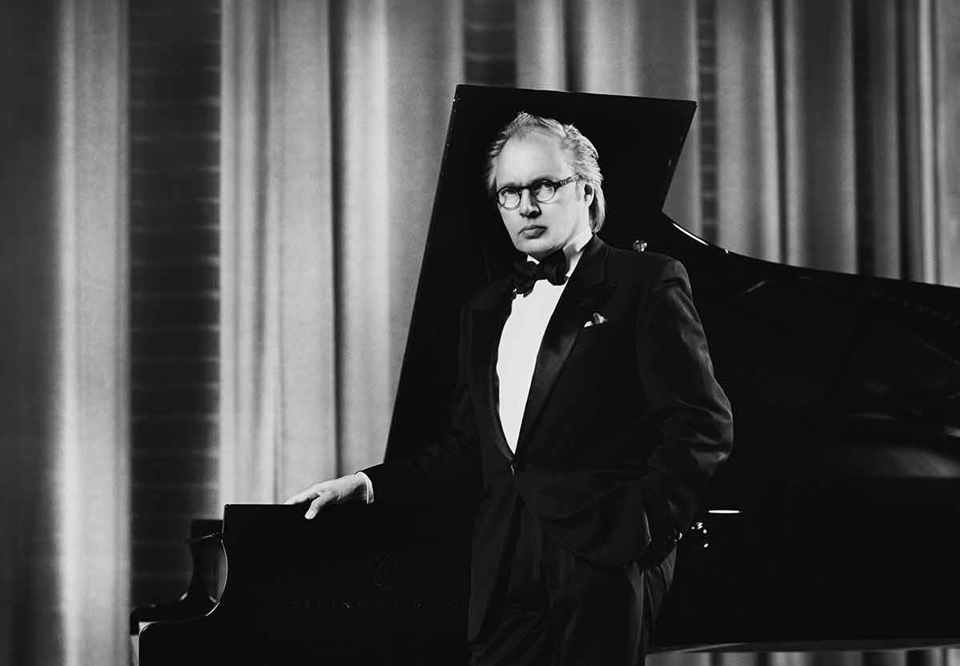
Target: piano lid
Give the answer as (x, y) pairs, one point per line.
(639, 142)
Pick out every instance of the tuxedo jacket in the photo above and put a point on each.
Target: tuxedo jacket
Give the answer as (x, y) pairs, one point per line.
(623, 426)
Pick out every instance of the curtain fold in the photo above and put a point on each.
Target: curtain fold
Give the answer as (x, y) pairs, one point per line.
(362, 222)
(299, 214)
(93, 396)
(917, 136)
(64, 578)
(748, 187)
(877, 117)
(541, 53)
(31, 618)
(278, 393)
(944, 26)
(398, 65)
(603, 43)
(818, 147)
(667, 67)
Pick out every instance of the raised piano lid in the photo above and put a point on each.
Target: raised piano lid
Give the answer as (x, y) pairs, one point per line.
(639, 141)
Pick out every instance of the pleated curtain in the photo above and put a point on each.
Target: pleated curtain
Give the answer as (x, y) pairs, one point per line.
(333, 122)
(836, 146)
(64, 444)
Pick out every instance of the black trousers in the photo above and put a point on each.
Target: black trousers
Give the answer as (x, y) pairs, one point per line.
(557, 609)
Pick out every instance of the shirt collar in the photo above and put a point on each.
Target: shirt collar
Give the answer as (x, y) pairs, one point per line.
(573, 249)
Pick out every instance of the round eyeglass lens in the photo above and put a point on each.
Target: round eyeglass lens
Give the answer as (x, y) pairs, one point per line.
(509, 198)
(544, 191)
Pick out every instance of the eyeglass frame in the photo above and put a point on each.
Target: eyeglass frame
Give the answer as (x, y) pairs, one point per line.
(557, 184)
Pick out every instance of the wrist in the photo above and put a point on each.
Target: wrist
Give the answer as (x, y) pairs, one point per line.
(364, 491)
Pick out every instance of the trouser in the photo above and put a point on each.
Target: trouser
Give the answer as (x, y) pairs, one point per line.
(557, 609)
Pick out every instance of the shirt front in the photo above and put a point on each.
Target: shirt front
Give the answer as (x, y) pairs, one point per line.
(520, 343)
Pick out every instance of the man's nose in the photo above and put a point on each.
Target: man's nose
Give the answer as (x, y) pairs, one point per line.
(528, 205)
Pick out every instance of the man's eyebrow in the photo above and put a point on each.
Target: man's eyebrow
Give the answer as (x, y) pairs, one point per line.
(528, 183)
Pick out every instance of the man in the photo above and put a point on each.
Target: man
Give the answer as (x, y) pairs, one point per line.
(586, 411)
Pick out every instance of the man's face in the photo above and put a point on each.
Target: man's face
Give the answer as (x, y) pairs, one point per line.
(537, 229)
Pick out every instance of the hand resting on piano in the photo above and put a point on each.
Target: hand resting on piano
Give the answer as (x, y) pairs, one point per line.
(349, 488)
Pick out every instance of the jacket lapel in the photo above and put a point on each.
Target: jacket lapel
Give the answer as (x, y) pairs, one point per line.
(489, 314)
(579, 299)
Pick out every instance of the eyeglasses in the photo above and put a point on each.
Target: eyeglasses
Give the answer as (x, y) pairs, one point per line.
(543, 191)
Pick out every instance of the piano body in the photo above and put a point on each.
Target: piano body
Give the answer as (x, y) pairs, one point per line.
(833, 525)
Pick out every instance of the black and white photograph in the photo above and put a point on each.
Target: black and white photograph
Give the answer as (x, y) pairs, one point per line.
(480, 332)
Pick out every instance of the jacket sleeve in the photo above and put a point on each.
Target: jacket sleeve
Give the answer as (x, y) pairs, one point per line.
(687, 402)
(447, 468)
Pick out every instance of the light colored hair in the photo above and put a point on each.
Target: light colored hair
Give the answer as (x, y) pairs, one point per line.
(582, 156)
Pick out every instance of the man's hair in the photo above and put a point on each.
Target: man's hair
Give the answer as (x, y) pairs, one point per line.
(583, 157)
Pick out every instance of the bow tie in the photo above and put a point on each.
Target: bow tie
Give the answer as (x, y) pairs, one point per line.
(553, 268)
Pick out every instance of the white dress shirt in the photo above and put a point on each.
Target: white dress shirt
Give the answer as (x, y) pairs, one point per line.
(520, 342)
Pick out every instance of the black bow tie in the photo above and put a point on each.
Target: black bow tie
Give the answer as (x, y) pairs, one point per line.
(553, 268)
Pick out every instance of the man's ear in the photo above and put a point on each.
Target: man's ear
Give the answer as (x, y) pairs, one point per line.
(588, 193)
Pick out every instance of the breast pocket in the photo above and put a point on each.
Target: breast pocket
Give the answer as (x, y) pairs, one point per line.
(608, 332)
(604, 352)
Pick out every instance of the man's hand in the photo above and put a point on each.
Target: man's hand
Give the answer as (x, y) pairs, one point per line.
(349, 488)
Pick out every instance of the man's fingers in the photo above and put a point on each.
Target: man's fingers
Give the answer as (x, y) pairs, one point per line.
(324, 497)
(319, 495)
(296, 499)
(303, 496)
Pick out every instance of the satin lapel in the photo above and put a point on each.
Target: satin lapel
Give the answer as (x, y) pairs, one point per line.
(489, 314)
(562, 330)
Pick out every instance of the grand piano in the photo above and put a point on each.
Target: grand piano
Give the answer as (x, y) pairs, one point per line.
(832, 526)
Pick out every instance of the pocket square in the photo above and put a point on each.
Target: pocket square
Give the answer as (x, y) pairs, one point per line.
(595, 320)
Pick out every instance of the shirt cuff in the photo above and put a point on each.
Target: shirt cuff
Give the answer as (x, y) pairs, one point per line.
(367, 488)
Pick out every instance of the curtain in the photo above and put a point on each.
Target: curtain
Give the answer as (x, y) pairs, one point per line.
(277, 337)
(333, 118)
(834, 133)
(835, 122)
(944, 154)
(63, 446)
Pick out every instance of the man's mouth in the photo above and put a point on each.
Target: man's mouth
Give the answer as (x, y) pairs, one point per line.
(532, 231)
